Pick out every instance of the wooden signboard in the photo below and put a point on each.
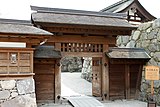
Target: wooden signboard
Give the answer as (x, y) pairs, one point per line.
(152, 73)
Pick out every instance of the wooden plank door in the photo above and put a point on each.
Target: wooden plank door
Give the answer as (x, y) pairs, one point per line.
(96, 76)
(44, 82)
(117, 81)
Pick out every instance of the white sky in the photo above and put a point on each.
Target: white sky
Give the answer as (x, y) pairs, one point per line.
(20, 9)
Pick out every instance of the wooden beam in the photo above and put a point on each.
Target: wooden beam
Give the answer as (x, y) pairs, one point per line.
(77, 29)
(16, 76)
(105, 74)
(81, 39)
(16, 35)
(26, 40)
(82, 54)
(2, 39)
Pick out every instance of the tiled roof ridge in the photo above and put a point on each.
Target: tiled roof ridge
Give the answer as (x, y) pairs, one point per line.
(115, 4)
(77, 12)
(15, 21)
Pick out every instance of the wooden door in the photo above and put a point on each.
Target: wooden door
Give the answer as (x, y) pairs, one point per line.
(135, 78)
(44, 82)
(96, 76)
(117, 81)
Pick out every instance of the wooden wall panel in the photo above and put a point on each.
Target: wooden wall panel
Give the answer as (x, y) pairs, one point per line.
(24, 63)
(16, 61)
(3, 56)
(24, 56)
(44, 80)
(3, 70)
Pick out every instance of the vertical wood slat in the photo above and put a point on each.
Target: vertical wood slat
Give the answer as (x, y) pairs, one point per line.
(18, 62)
(75, 47)
(63, 47)
(102, 48)
(84, 47)
(31, 62)
(70, 50)
(80, 47)
(127, 81)
(67, 47)
(71, 47)
(99, 48)
(95, 47)
(88, 47)
(138, 81)
(91, 47)
(8, 62)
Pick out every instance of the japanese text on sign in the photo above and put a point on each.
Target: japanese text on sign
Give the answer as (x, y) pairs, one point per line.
(152, 73)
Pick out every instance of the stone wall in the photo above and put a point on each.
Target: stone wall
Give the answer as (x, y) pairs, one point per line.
(147, 36)
(17, 93)
(71, 64)
(87, 69)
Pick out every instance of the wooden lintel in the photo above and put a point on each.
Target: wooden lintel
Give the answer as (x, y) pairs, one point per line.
(101, 30)
(11, 39)
(82, 54)
(15, 76)
(15, 35)
(80, 39)
(91, 31)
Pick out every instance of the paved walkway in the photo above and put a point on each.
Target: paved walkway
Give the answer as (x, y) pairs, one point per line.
(74, 85)
(118, 103)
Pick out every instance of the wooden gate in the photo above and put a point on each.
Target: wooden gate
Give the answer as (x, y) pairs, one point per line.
(96, 76)
(44, 80)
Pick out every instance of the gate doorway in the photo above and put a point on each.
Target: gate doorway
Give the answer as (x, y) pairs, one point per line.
(77, 83)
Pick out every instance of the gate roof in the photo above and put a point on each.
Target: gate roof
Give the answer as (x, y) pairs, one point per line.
(75, 17)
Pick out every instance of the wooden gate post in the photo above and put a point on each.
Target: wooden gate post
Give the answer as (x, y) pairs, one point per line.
(57, 76)
(105, 74)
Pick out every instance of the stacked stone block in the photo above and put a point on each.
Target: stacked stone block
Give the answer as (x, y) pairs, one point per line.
(17, 93)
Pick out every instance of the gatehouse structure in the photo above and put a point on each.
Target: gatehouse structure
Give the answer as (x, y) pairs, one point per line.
(69, 33)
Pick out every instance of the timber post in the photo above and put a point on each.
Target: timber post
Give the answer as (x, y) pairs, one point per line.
(57, 75)
(105, 75)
